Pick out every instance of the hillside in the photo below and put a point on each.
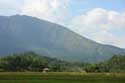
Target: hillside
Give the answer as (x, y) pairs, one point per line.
(24, 33)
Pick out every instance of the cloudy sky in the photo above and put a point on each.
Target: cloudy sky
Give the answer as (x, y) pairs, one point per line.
(99, 20)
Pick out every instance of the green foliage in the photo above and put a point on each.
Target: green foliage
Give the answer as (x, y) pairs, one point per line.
(115, 64)
(30, 62)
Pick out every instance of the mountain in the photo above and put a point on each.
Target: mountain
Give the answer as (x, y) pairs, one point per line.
(20, 33)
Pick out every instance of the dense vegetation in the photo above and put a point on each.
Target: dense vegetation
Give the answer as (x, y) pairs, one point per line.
(31, 61)
(115, 64)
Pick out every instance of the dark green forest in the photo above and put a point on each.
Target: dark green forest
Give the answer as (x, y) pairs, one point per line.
(31, 61)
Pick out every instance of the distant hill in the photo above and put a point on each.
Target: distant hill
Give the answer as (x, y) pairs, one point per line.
(24, 33)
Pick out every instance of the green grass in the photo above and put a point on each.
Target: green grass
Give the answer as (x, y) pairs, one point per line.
(47, 81)
(57, 77)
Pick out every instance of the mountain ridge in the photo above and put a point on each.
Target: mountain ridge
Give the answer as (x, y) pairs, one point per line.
(26, 33)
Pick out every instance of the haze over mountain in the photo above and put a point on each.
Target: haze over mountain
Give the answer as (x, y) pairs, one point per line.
(24, 33)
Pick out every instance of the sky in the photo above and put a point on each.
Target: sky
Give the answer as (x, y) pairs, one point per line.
(100, 20)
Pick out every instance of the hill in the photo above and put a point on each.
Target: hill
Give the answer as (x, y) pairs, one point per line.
(24, 33)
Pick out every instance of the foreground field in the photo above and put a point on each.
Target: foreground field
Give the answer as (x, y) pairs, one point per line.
(33, 77)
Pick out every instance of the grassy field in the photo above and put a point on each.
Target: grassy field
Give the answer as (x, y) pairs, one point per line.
(57, 77)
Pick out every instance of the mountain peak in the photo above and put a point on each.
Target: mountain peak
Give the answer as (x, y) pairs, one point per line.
(24, 33)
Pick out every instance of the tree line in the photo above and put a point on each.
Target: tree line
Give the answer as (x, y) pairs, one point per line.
(31, 61)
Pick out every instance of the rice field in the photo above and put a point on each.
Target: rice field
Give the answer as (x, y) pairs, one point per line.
(61, 77)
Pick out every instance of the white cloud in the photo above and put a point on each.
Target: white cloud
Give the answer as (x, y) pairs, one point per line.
(115, 18)
(99, 24)
(52, 10)
(109, 38)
